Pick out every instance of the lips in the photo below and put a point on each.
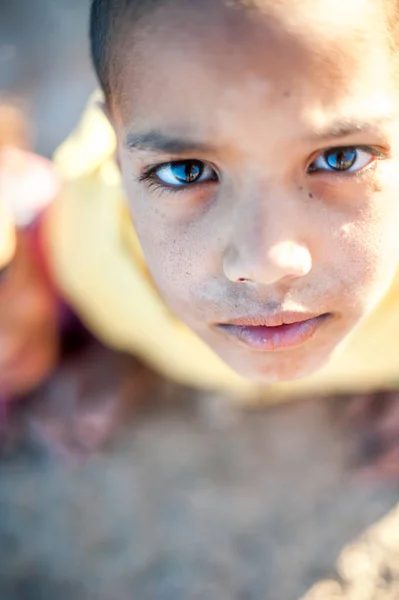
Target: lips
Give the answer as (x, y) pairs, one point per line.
(281, 331)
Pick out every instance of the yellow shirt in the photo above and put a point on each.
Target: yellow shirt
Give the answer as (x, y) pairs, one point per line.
(97, 262)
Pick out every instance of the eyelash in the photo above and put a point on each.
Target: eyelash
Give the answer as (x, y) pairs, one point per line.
(151, 183)
(148, 177)
(375, 155)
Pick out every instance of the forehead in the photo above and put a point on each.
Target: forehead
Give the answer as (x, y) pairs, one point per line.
(202, 61)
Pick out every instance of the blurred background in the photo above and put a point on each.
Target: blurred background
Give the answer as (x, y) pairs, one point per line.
(44, 64)
(190, 498)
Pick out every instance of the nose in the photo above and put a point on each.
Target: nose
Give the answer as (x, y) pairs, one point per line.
(285, 260)
(265, 248)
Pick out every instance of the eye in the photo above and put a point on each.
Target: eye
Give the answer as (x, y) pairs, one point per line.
(183, 173)
(343, 160)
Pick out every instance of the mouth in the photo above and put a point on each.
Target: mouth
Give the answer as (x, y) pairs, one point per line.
(279, 332)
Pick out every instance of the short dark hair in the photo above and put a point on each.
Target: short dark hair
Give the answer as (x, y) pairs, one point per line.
(102, 15)
(107, 19)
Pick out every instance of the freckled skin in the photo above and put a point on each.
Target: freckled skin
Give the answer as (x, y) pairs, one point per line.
(339, 231)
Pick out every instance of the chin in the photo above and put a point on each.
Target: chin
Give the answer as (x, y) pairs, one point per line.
(280, 368)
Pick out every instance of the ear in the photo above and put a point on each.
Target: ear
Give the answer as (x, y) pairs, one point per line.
(103, 106)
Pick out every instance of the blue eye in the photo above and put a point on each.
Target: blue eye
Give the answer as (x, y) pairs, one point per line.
(184, 173)
(343, 160)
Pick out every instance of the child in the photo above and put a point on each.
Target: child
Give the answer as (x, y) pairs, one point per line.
(52, 371)
(29, 337)
(258, 144)
(7, 239)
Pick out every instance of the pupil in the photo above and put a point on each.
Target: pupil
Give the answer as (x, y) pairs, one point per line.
(187, 172)
(342, 160)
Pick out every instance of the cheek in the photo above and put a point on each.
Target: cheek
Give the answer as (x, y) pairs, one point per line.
(177, 261)
(366, 249)
(179, 245)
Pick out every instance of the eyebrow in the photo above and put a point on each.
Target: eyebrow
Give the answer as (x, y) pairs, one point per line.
(347, 128)
(156, 141)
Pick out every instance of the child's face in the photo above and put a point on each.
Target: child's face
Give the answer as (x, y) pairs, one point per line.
(259, 152)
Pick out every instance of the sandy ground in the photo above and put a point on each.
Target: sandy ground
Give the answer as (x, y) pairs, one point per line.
(193, 501)
(190, 500)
